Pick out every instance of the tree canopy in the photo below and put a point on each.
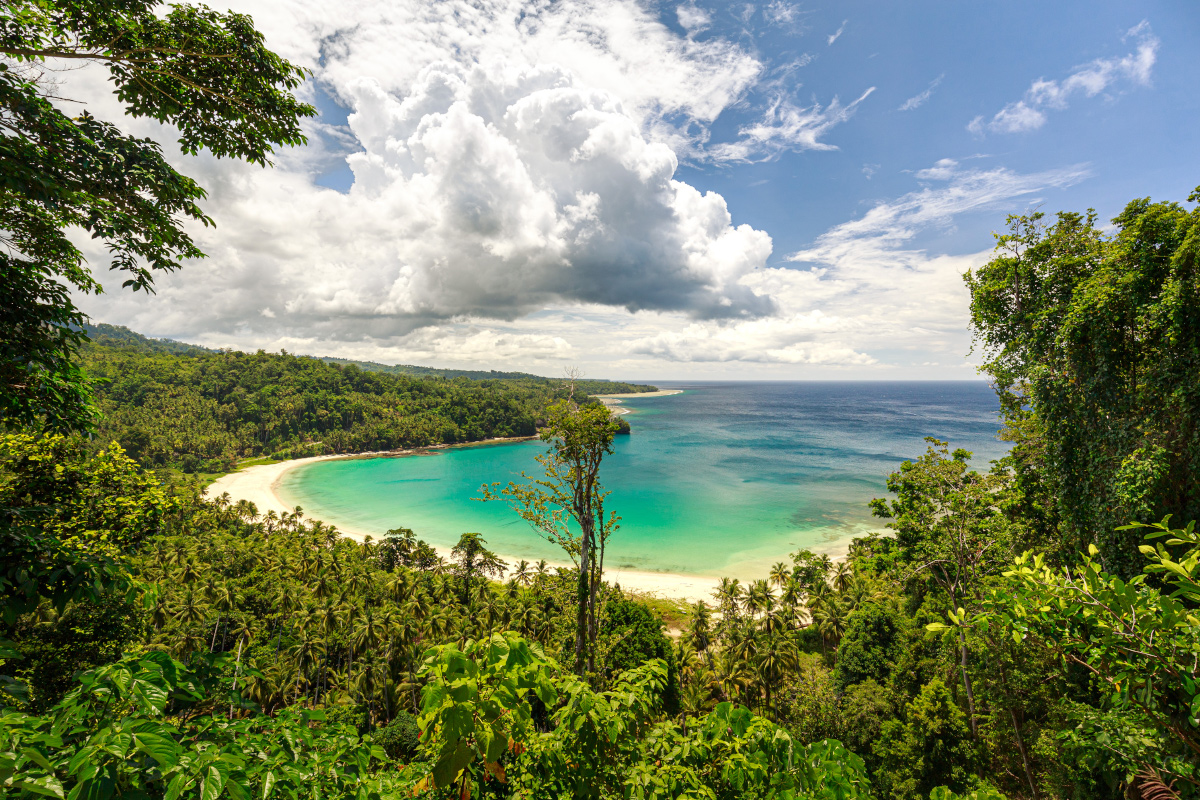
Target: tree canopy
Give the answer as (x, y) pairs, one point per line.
(207, 74)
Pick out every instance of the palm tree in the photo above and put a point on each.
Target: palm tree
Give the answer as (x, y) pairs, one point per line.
(843, 573)
(305, 655)
(776, 657)
(243, 633)
(792, 599)
(700, 631)
(729, 595)
(402, 585)
(759, 598)
(521, 573)
(225, 599)
(830, 619)
(780, 574)
(191, 608)
(730, 676)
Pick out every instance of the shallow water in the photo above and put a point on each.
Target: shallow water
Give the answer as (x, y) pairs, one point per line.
(723, 479)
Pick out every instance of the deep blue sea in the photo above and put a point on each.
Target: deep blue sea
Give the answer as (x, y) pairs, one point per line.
(723, 479)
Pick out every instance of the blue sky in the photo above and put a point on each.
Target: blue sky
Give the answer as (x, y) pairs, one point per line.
(664, 190)
(974, 59)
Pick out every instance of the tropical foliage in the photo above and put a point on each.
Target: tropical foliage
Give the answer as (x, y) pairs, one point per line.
(204, 410)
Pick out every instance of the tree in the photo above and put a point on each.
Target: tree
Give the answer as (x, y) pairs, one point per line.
(207, 74)
(66, 516)
(1093, 341)
(471, 558)
(930, 748)
(1139, 641)
(870, 647)
(567, 506)
(948, 526)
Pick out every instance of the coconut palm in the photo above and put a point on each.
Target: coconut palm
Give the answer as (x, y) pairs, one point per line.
(843, 573)
(729, 596)
(700, 629)
(780, 574)
(243, 633)
(776, 657)
(191, 608)
(304, 655)
(225, 599)
(830, 619)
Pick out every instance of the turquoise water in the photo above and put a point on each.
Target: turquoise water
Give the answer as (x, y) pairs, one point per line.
(723, 479)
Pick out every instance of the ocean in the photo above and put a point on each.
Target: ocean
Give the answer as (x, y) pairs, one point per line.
(723, 479)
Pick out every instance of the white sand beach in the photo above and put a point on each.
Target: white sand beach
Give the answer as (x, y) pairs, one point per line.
(613, 401)
(659, 393)
(258, 485)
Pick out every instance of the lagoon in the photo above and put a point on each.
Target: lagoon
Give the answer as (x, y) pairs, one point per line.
(722, 479)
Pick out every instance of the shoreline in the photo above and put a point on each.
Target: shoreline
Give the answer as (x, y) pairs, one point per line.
(613, 401)
(258, 485)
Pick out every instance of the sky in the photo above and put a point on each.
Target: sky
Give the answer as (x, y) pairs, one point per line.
(659, 190)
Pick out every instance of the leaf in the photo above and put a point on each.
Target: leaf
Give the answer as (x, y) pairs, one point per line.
(46, 785)
(214, 782)
(234, 789)
(268, 785)
(161, 749)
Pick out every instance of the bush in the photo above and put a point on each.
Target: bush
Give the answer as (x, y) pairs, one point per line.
(400, 738)
(870, 647)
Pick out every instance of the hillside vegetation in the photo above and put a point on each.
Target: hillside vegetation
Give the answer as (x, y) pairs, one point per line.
(186, 407)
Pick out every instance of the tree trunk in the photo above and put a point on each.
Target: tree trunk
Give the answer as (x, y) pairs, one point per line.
(962, 649)
(237, 670)
(582, 592)
(1017, 730)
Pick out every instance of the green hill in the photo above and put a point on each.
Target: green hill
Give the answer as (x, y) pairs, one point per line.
(121, 337)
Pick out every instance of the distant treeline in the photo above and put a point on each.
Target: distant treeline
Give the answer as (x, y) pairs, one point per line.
(181, 406)
(120, 336)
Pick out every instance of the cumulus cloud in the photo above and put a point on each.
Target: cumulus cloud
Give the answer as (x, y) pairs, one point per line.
(1089, 80)
(864, 289)
(505, 159)
(479, 194)
(919, 100)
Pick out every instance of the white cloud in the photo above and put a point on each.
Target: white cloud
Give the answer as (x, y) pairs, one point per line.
(505, 159)
(692, 18)
(865, 289)
(791, 340)
(943, 169)
(786, 126)
(779, 12)
(1089, 80)
(919, 100)
(833, 37)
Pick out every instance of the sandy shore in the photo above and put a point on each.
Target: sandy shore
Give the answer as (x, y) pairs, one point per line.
(613, 401)
(259, 484)
(659, 393)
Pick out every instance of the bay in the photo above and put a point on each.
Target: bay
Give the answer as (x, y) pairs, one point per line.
(722, 479)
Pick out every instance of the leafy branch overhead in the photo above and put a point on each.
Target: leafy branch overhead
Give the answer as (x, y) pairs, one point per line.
(207, 74)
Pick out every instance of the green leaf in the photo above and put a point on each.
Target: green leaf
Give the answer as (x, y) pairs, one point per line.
(45, 785)
(161, 749)
(214, 782)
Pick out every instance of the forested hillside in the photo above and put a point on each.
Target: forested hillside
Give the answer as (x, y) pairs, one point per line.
(174, 405)
(120, 336)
